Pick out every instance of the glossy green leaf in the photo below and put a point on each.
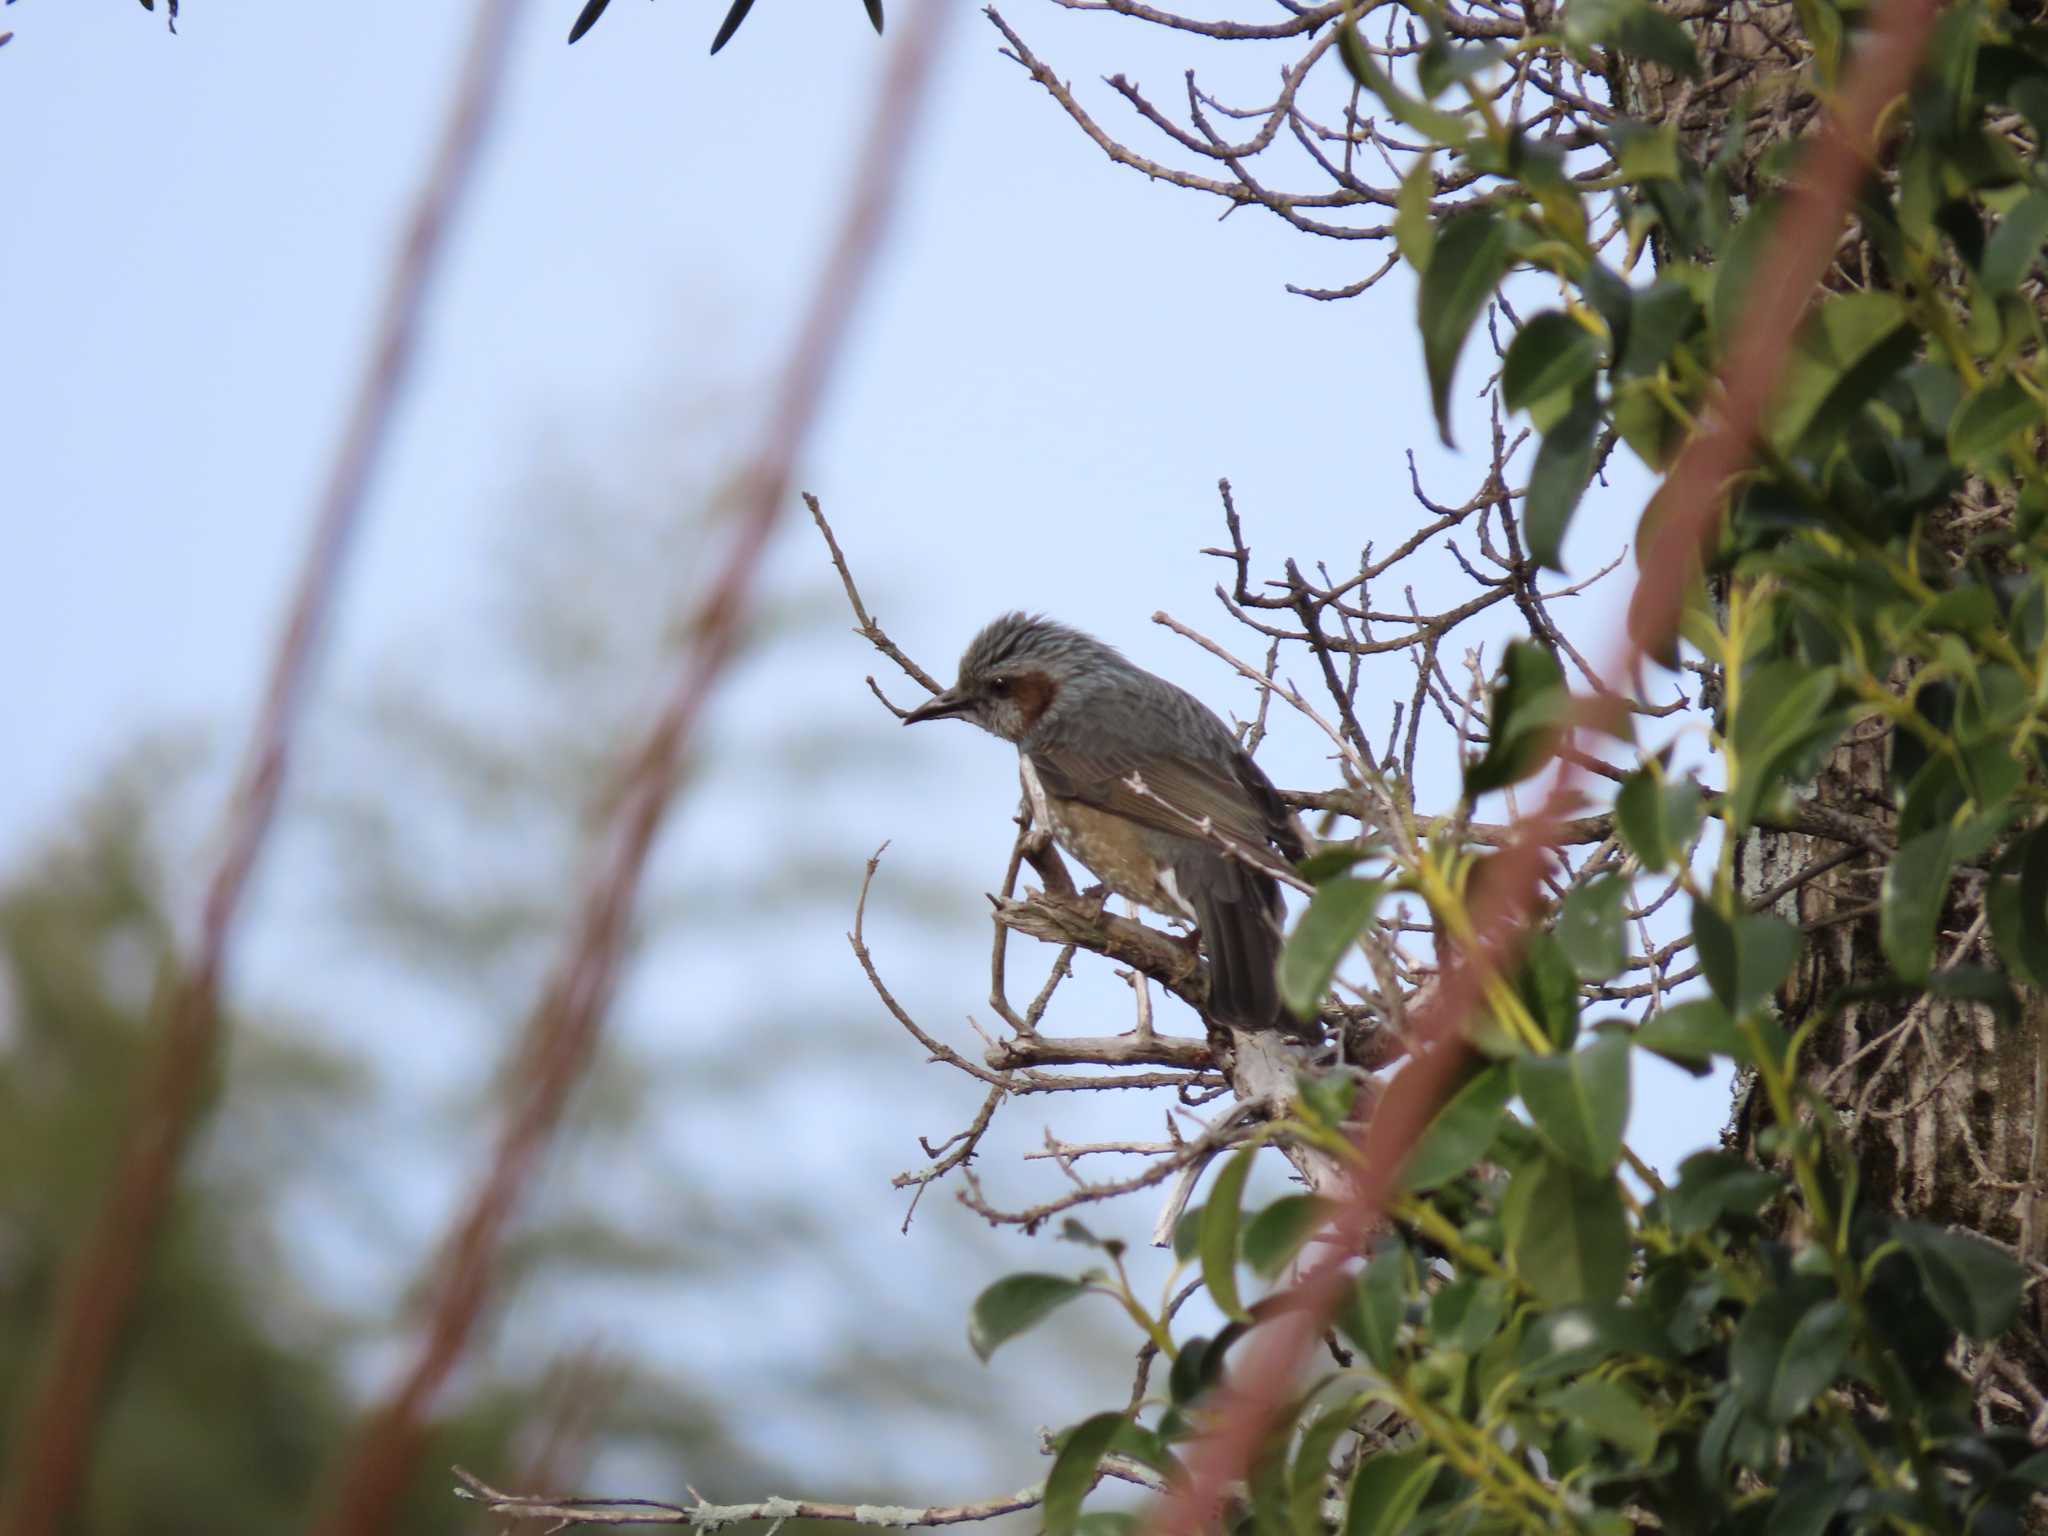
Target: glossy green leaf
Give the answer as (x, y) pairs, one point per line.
(1552, 352)
(2016, 899)
(1470, 258)
(1461, 1132)
(1549, 988)
(1610, 1411)
(1336, 914)
(1845, 352)
(1914, 891)
(1309, 1478)
(1447, 128)
(1745, 257)
(1782, 716)
(1387, 1491)
(1744, 961)
(1414, 228)
(1015, 1304)
(1274, 1236)
(1569, 1339)
(1525, 708)
(1566, 1232)
(1787, 1351)
(1074, 1471)
(2015, 245)
(1371, 1318)
(1715, 1184)
(1219, 1233)
(1558, 478)
(1579, 1100)
(1975, 1286)
(1467, 1312)
(1592, 930)
(1692, 1034)
(1658, 818)
(1982, 423)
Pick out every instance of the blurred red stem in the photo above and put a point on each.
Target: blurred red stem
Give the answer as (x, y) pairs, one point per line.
(566, 1020)
(54, 1426)
(1692, 495)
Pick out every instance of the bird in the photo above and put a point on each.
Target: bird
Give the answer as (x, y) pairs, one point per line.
(587, 18)
(1140, 781)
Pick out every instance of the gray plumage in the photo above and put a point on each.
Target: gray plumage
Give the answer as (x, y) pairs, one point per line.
(1142, 783)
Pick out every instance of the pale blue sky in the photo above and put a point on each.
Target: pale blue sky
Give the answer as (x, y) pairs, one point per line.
(1057, 364)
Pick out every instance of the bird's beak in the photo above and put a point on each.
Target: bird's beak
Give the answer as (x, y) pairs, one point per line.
(938, 707)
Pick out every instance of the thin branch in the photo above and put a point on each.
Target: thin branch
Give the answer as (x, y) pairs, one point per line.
(567, 1512)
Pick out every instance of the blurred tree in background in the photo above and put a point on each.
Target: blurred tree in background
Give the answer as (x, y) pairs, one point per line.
(422, 889)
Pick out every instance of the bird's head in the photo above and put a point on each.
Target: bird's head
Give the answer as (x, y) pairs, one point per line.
(1017, 671)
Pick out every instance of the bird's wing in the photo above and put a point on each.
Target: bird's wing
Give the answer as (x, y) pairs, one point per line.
(1169, 794)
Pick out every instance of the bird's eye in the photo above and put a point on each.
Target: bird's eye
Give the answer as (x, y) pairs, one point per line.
(999, 686)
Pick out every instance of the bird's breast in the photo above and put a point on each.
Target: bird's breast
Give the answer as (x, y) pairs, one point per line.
(1116, 851)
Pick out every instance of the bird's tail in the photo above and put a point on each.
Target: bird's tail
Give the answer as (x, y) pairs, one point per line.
(1239, 912)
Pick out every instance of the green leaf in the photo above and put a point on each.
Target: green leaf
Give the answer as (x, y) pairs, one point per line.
(1590, 928)
(1336, 914)
(1074, 1471)
(1664, 314)
(1461, 1132)
(1715, 1184)
(1633, 27)
(1109, 1522)
(1579, 1100)
(1843, 356)
(1610, 1411)
(2017, 900)
(1973, 1285)
(1387, 1491)
(1414, 229)
(1527, 705)
(2015, 245)
(1336, 859)
(1787, 1351)
(1274, 1236)
(1982, 423)
(1751, 248)
(1218, 1240)
(1551, 353)
(1470, 259)
(1379, 1300)
(1447, 128)
(1559, 476)
(1745, 960)
(1549, 988)
(1467, 1312)
(1311, 1472)
(1692, 1034)
(1914, 891)
(1014, 1305)
(1572, 1338)
(1566, 1232)
(1657, 818)
(1782, 715)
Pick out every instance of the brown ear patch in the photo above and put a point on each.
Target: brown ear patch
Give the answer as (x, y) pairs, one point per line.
(1033, 693)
